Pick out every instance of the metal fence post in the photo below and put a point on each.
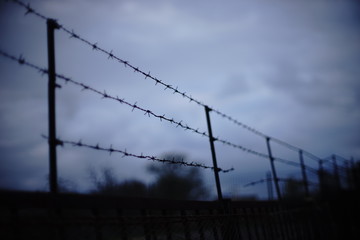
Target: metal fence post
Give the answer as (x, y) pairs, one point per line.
(321, 177)
(211, 139)
(51, 26)
(269, 185)
(303, 172)
(336, 172)
(273, 170)
(354, 174)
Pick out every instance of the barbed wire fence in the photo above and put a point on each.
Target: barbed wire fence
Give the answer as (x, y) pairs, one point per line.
(54, 141)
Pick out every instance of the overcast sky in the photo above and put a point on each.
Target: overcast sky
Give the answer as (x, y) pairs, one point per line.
(289, 69)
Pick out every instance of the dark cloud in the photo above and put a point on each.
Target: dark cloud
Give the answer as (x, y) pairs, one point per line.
(288, 69)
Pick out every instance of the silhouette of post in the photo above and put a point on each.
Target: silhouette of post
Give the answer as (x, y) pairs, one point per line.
(348, 174)
(303, 172)
(336, 172)
(273, 170)
(269, 185)
(51, 26)
(211, 139)
(321, 177)
(354, 174)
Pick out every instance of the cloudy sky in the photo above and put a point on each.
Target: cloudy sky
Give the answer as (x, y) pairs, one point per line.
(289, 69)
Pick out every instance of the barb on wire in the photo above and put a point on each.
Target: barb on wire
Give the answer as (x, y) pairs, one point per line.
(29, 9)
(132, 106)
(21, 60)
(175, 90)
(125, 153)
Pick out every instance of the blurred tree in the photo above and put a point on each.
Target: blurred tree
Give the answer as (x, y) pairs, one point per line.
(171, 182)
(107, 183)
(177, 182)
(293, 189)
(66, 186)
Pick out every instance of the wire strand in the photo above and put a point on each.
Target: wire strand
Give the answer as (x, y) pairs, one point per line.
(125, 153)
(147, 74)
(21, 60)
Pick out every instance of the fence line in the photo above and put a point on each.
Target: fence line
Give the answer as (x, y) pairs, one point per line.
(21, 60)
(149, 113)
(271, 180)
(295, 164)
(70, 216)
(111, 55)
(125, 153)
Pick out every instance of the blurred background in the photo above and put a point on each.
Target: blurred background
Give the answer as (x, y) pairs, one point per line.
(288, 69)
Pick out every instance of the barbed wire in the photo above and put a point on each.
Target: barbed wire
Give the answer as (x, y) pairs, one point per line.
(337, 157)
(295, 164)
(279, 179)
(21, 60)
(29, 9)
(125, 153)
(225, 142)
(292, 147)
(111, 55)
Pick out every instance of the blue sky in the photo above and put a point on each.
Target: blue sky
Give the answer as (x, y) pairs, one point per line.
(286, 68)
